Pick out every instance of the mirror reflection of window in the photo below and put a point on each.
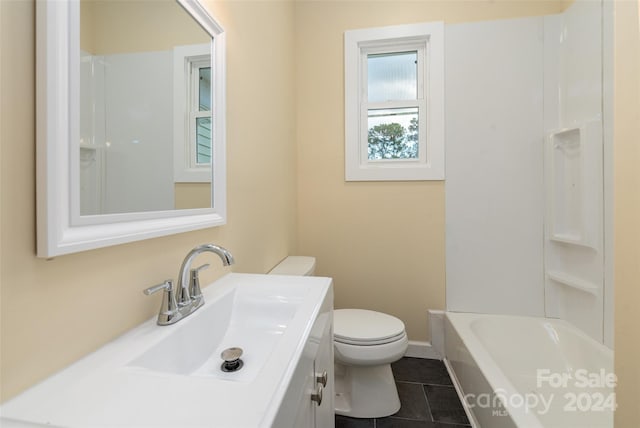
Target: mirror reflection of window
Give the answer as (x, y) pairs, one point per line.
(193, 129)
(203, 118)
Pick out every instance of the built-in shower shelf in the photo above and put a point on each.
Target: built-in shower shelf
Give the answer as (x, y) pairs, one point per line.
(573, 167)
(88, 152)
(573, 282)
(571, 239)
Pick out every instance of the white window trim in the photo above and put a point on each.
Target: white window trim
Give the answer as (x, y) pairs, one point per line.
(185, 169)
(359, 43)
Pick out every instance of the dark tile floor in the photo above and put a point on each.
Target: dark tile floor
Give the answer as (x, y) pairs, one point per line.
(427, 398)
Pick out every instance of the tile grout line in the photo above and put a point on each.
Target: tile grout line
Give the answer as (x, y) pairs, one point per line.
(423, 383)
(426, 397)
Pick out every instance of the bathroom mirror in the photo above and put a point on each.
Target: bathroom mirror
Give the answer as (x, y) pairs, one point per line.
(130, 122)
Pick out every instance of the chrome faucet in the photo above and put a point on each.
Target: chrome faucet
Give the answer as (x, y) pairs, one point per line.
(189, 296)
(186, 289)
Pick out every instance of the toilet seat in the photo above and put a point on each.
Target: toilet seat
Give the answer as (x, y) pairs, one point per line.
(357, 342)
(362, 327)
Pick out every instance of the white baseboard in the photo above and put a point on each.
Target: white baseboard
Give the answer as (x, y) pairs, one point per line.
(435, 348)
(417, 349)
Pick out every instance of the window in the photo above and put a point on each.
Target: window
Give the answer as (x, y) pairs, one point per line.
(193, 121)
(200, 114)
(394, 103)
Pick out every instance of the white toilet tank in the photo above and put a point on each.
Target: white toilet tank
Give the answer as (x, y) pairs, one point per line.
(295, 265)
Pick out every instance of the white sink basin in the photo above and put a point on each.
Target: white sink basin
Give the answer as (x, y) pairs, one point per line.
(170, 376)
(247, 316)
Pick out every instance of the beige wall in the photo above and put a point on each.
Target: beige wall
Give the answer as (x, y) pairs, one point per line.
(382, 242)
(192, 195)
(55, 311)
(113, 26)
(627, 211)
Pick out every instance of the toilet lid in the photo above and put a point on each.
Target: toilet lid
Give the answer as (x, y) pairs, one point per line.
(363, 327)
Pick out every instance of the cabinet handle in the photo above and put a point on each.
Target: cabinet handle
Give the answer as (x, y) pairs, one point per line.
(322, 378)
(317, 397)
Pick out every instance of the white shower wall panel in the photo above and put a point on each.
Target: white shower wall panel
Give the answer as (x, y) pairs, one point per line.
(92, 134)
(574, 267)
(139, 140)
(494, 170)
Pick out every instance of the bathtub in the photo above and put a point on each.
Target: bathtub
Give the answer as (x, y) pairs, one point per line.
(528, 372)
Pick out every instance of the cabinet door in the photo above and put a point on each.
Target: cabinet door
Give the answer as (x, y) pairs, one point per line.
(299, 408)
(305, 416)
(316, 408)
(324, 412)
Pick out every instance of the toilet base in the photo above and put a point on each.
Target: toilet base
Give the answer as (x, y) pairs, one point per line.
(365, 391)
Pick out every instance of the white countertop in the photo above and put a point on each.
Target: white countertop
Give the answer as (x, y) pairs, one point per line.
(103, 390)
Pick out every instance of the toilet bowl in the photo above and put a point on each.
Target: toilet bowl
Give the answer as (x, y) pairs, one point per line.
(365, 344)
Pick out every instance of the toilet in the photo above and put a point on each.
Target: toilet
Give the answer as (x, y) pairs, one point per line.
(365, 344)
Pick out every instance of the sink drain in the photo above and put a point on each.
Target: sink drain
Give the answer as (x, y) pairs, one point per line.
(232, 361)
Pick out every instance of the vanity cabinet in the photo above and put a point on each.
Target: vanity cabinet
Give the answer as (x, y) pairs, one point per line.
(309, 400)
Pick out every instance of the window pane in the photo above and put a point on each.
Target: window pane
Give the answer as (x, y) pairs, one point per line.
(204, 89)
(393, 133)
(392, 76)
(203, 140)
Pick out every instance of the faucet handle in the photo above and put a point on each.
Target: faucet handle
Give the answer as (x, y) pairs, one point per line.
(166, 285)
(169, 312)
(194, 282)
(199, 268)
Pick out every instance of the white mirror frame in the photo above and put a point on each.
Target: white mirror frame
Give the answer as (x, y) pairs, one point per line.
(60, 228)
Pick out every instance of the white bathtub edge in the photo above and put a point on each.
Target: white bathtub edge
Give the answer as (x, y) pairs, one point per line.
(456, 384)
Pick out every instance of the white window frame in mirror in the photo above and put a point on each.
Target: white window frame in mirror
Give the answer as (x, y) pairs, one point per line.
(186, 60)
(60, 228)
